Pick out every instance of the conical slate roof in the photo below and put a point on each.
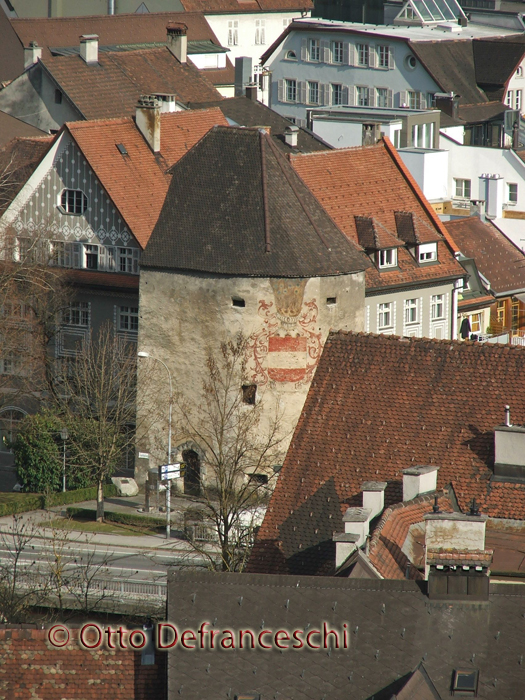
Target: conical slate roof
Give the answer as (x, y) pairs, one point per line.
(236, 206)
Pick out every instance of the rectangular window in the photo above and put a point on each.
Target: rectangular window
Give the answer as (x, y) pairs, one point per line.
(363, 54)
(314, 50)
(362, 96)
(509, 99)
(412, 99)
(260, 31)
(411, 310)
(512, 192)
(129, 318)
(475, 323)
(437, 306)
(500, 314)
(387, 258)
(91, 257)
(313, 93)
(125, 260)
(233, 32)
(77, 314)
(385, 317)
(11, 363)
(383, 53)
(462, 188)
(431, 100)
(290, 93)
(381, 97)
(517, 102)
(427, 252)
(337, 52)
(515, 315)
(337, 94)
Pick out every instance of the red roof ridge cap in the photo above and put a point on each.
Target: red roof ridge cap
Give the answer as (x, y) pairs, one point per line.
(91, 123)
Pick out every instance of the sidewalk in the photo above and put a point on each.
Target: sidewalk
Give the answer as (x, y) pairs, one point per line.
(119, 504)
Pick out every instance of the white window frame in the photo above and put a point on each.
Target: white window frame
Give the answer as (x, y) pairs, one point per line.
(336, 90)
(383, 56)
(385, 316)
(463, 188)
(91, 249)
(310, 86)
(127, 258)
(69, 204)
(512, 192)
(290, 84)
(363, 54)
(314, 50)
(233, 32)
(260, 32)
(78, 315)
(517, 99)
(437, 307)
(387, 258)
(362, 96)
(427, 252)
(128, 317)
(337, 52)
(509, 98)
(411, 311)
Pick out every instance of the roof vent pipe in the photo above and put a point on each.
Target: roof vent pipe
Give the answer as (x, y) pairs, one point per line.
(507, 416)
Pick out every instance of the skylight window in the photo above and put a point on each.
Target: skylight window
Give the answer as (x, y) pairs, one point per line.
(122, 149)
(430, 11)
(465, 683)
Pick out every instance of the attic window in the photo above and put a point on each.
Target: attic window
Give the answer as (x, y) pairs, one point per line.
(387, 258)
(258, 479)
(331, 301)
(73, 202)
(58, 97)
(427, 252)
(122, 149)
(249, 394)
(465, 683)
(291, 56)
(237, 301)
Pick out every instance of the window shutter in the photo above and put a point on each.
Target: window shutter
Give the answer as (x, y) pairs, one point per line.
(324, 94)
(302, 92)
(111, 263)
(422, 101)
(304, 49)
(345, 53)
(390, 99)
(280, 90)
(391, 61)
(325, 52)
(263, 31)
(301, 123)
(136, 259)
(346, 96)
(68, 250)
(351, 96)
(371, 97)
(351, 55)
(76, 255)
(102, 258)
(372, 57)
(403, 98)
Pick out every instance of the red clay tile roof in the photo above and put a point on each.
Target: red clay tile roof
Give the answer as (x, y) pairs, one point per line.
(391, 532)
(345, 180)
(497, 258)
(377, 405)
(456, 557)
(112, 87)
(218, 6)
(137, 183)
(111, 29)
(33, 668)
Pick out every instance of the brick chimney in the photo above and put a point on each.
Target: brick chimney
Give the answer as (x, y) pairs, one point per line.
(177, 40)
(89, 48)
(32, 54)
(418, 480)
(147, 119)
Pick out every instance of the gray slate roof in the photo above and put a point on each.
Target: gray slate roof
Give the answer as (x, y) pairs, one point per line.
(392, 628)
(235, 206)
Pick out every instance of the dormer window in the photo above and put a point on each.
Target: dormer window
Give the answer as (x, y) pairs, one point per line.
(387, 258)
(427, 252)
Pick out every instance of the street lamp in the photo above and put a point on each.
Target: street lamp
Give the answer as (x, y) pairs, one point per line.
(64, 435)
(168, 487)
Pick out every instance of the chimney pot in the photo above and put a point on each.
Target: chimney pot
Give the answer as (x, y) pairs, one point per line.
(251, 92)
(177, 40)
(374, 497)
(89, 48)
(357, 522)
(147, 119)
(290, 135)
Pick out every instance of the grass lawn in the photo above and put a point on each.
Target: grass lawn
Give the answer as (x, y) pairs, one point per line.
(84, 525)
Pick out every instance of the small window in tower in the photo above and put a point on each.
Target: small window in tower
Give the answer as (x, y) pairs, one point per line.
(237, 301)
(331, 301)
(249, 394)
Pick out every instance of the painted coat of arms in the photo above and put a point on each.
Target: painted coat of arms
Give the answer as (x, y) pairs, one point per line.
(288, 346)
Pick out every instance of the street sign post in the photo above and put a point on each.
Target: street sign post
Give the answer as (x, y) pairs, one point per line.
(167, 472)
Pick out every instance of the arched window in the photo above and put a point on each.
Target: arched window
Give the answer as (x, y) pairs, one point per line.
(291, 56)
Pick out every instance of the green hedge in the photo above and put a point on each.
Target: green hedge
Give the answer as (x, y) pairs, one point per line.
(77, 496)
(122, 518)
(21, 503)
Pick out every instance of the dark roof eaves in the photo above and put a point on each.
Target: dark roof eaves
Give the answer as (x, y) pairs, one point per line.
(261, 275)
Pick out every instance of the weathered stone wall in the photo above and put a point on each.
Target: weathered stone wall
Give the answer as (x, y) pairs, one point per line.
(185, 316)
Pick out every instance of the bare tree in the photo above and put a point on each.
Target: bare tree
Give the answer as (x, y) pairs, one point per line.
(239, 444)
(97, 398)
